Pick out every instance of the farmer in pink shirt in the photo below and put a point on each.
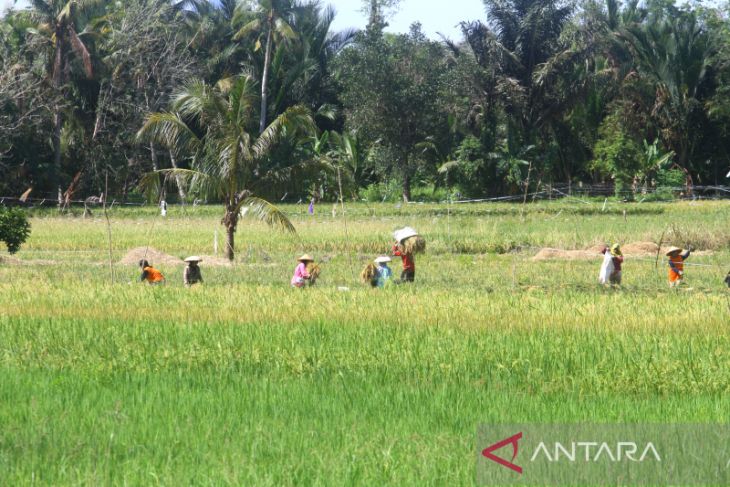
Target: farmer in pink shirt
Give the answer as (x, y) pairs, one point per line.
(301, 275)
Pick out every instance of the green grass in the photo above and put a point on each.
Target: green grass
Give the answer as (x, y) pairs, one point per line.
(244, 381)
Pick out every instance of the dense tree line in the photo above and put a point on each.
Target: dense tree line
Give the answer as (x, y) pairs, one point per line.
(235, 100)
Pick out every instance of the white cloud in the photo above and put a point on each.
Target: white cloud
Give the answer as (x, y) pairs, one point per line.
(6, 4)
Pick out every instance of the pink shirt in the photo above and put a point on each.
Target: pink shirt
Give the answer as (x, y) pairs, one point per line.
(300, 274)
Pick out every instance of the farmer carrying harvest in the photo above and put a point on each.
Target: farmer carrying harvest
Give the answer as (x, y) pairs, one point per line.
(301, 274)
(676, 264)
(191, 274)
(150, 274)
(611, 267)
(407, 244)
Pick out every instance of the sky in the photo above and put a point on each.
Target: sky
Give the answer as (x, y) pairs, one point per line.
(436, 15)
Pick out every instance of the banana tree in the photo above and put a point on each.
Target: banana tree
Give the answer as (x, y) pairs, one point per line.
(210, 125)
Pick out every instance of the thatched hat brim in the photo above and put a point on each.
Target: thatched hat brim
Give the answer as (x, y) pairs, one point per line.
(306, 258)
(382, 259)
(193, 258)
(673, 250)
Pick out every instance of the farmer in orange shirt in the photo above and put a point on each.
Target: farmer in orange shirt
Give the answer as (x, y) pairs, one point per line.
(676, 265)
(150, 274)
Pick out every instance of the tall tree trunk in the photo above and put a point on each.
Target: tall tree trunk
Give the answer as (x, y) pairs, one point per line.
(56, 138)
(178, 180)
(57, 75)
(230, 235)
(406, 187)
(230, 221)
(153, 156)
(265, 76)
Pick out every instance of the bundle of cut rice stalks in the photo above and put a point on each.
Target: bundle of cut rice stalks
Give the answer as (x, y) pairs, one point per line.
(368, 274)
(413, 245)
(313, 270)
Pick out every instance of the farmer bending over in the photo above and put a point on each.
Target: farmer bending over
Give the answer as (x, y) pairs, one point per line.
(384, 273)
(150, 274)
(301, 275)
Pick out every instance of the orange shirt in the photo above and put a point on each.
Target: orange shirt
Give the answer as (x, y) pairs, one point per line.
(153, 275)
(676, 264)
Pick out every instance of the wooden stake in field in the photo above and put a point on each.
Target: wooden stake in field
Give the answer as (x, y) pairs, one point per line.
(108, 226)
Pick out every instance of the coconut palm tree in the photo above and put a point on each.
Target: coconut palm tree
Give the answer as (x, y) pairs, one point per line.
(674, 50)
(271, 19)
(57, 23)
(212, 126)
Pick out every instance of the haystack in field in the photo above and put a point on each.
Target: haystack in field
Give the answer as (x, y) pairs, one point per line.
(560, 254)
(368, 274)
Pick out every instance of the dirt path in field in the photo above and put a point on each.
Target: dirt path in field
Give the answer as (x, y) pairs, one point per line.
(154, 256)
(633, 249)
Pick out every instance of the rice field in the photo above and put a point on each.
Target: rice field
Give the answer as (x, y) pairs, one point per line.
(245, 381)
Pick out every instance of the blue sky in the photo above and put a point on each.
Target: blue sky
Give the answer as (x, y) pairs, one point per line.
(435, 15)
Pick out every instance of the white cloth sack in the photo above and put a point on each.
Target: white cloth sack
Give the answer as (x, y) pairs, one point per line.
(606, 268)
(404, 233)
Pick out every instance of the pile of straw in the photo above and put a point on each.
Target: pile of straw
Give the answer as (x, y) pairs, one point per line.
(369, 273)
(313, 270)
(413, 245)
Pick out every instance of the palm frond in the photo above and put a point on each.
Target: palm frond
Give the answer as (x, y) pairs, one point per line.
(171, 131)
(150, 182)
(248, 28)
(80, 49)
(268, 213)
(296, 119)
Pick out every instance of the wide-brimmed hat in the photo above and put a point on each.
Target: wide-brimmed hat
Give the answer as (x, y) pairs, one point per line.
(382, 259)
(616, 250)
(306, 258)
(193, 258)
(673, 250)
(404, 233)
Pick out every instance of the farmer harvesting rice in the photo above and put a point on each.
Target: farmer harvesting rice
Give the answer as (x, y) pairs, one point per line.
(676, 265)
(150, 274)
(611, 267)
(727, 279)
(407, 244)
(384, 273)
(301, 274)
(191, 274)
(377, 273)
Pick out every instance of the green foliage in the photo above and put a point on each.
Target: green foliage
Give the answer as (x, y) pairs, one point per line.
(14, 228)
(618, 156)
(670, 178)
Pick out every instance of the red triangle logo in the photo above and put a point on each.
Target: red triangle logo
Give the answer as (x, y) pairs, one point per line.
(512, 440)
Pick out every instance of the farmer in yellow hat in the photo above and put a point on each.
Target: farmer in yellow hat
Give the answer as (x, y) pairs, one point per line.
(611, 268)
(676, 264)
(301, 275)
